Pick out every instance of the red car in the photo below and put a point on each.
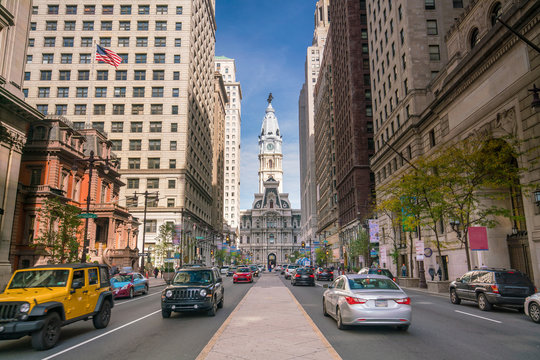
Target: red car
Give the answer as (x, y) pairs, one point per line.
(129, 284)
(243, 274)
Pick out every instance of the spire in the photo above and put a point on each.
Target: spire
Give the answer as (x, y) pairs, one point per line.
(270, 126)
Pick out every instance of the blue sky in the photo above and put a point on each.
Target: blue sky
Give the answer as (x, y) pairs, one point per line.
(268, 39)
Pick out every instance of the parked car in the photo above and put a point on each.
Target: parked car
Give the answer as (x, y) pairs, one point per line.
(127, 285)
(278, 268)
(243, 274)
(254, 269)
(367, 300)
(54, 296)
(303, 276)
(532, 307)
(283, 269)
(377, 271)
(324, 274)
(231, 271)
(224, 270)
(193, 289)
(290, 269)
(490, 287)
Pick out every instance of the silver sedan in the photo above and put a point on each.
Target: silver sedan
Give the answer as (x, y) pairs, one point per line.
(532, 307)
(367, 300)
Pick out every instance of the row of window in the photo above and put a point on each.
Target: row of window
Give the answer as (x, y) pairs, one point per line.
(159, 58)
(136, 145)
(101, 92)
(100, 109)
(69, 41)
(133, 183)
(70, 25)
(106, 10)
(102, 75)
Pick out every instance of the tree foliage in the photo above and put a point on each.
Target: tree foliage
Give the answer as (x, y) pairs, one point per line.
(60, 229)
(164, 240)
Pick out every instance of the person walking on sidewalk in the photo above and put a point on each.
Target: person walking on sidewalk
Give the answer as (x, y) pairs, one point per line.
(439, 272)
(431, 272)
(404, 270)
(156, 272)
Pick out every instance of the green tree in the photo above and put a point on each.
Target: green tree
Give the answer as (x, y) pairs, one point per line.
(60, 230)
(389, 205)
(360, 245)
(220, 256)
(321, 257)
(294, 256)
(164, 243)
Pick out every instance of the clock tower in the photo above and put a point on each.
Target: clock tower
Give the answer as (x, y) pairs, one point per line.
(270, 156)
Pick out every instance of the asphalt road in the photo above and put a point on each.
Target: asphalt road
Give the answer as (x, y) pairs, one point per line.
(439, 330)
(136, 331)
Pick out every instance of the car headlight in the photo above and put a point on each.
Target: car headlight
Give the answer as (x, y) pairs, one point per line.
(203, 293)
(24, 307)
(125, 287)
(168, 293)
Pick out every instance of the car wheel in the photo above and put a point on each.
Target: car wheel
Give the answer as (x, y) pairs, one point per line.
(220, 303)
(339, 320)
(213, 310)
(454, 299)
(534, 312)
(325, 313)
(48, 335)
(131, 293)
(403, 327)
(165, 313)
(102, 318)
(483, 303)
(145, 290)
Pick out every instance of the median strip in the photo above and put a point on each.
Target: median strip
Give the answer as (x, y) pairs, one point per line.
(480, 317)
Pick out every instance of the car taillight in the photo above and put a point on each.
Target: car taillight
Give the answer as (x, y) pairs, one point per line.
(311, 275)
(331, 273)
(296, 275)
(394, 279)
(352, 300)
(405, 301)
(495, 289)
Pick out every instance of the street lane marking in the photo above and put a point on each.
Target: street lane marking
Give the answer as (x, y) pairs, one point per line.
(99, 336)
(423, 303)
(480, 317)
(145, 296)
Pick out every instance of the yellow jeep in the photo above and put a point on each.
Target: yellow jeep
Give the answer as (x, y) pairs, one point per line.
(38, 301)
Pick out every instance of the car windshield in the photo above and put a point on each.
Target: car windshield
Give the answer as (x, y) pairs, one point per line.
(39, 278)
(292, 267)
(372, 284)
(192, 277)
(304, 271)
(384, 272)
(327, 270)
(512, 277)
(121, 278)
(243, 270)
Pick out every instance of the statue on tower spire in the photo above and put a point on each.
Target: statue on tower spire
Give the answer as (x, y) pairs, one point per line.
(270, 98)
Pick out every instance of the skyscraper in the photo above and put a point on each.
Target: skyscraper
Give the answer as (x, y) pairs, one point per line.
(233, 121)
(308, 183)
(156, 106)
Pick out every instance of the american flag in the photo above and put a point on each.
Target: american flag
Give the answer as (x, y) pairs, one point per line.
(108, 56)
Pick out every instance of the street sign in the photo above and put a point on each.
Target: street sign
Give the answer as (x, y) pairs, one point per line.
(199, 237)
(143, 254)
(87, 216)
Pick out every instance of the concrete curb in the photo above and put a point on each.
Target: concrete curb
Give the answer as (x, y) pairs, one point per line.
(425, 292)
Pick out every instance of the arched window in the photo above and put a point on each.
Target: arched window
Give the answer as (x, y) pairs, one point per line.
(474, 38)
(496, 11)
(271, 204)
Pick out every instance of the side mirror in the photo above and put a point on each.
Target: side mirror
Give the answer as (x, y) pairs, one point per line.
(330, 286)
(458, 280)
(76, 285)
(325, 286)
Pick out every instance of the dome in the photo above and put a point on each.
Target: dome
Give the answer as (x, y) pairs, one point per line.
(270, 127)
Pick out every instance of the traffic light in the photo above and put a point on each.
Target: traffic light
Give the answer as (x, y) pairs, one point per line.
(228, 240)
(303, 244)
(212, 252)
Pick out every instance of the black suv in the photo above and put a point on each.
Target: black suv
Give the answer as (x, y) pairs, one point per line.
(193, 289)
(490, 287)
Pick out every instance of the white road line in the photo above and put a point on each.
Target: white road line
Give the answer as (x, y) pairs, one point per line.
(423, 303)
(143, 297)
(99, 336)
(480, 317)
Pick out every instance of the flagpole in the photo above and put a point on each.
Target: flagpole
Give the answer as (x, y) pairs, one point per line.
(91, 87)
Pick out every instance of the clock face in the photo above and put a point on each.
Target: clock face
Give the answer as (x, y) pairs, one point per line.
(270, 146)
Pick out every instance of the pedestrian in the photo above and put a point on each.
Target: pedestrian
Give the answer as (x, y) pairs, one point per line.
(404, 270)
(431, 272)
(156, 272)
(439, 272)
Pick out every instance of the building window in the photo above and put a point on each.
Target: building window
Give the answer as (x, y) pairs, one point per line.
(172, 184)
(155, 126)
(66, 59)
(432, 27)
(134, 163)
(159, 58)
(136, 127)
(142, 42)
(458, 4)
(156, 109)
(139, 75)
(172, 163)
(117, 127)
(44, 109)
(178, 26)
(158, 75)
(174, 111)
(118, 109)
(135, 145)
(432, 138)
(125, 9)
(98, 125)
(434, 54)
(61, 109)
(157, 92)
(179, 10)
(106, 25)
(154, 144)
(160, 42)
(62, 92)
(142, 25)
(177, 42)
(175, 92)
(52, 9)
(44, 92)
(430, 4)
(46, 75)
(150, 225)
(174, 127)
(152, 183)
(101, 92)
(131, 201)
(138, 92)
(121, 74)
(161, 25)
(88, 26)
(137, 109)
(69, 25)
(99, 109)
(120, 91)
(48, 58)
(161, 9)
(85, 58)
(140, 58)
(50, 25)
(35, 176)
(153, 163)
(102, 75)
(107, 9)
(177, 59)
(474, 38)
(28, 59)
(86, 42)
(132, 183)
(496, 11)
(105, 41)
(27, 75)
(80, 109)
(123, 42)
(170, 202)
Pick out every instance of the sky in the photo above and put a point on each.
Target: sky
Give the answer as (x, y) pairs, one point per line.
(268, 40)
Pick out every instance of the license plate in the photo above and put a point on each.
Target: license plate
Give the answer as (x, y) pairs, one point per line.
(381, 303)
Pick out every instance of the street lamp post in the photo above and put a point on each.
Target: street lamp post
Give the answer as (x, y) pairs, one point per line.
(145, 194)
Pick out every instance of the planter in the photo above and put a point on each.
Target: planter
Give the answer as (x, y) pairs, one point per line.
(439, 287)
(168, 276)
(409, 282)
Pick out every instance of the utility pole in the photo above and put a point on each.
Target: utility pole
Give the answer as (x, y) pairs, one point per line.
(145, 194)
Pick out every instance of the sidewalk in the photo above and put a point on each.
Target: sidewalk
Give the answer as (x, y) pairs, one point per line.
(268, 324)
(153, 282)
